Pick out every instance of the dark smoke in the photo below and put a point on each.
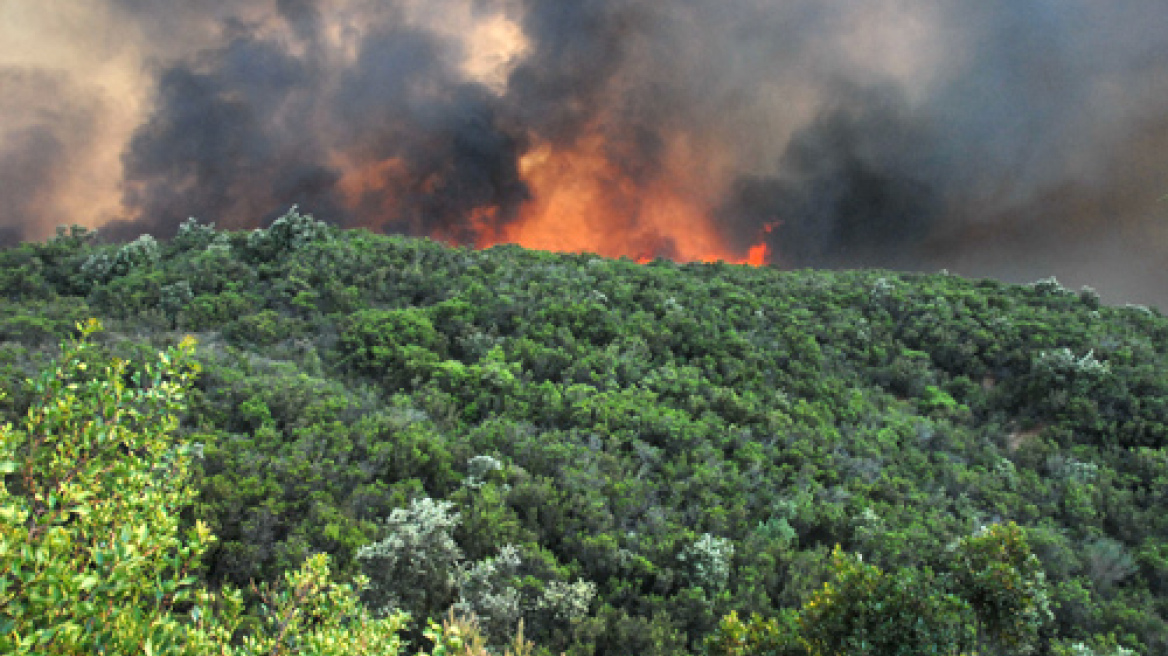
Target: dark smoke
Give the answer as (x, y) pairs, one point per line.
(858, 187)
(228, 141)
(1043, 148)
(1004, 138)
(578, 48)
(401, 100)
(251, 126)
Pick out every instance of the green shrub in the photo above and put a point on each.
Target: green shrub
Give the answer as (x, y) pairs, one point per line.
(396, 347)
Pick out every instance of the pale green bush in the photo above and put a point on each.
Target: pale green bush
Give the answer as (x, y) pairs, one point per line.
(412, 567)
(709, 560)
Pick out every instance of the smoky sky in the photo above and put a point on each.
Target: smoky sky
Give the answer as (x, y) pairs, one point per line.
(1006, 138)
(45, 121)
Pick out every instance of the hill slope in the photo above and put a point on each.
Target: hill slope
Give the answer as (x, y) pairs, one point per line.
(628, 452)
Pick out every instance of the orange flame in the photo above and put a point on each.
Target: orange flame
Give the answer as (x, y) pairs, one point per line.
(758, 255)
(581, 202)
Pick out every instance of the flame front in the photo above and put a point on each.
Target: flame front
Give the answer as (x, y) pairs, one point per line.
(582, 202)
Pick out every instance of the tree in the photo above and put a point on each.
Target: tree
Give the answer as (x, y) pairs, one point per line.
(996, 572)
(992, 596)
(867, 611)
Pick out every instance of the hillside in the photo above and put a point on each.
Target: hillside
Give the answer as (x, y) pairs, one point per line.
(621, 453)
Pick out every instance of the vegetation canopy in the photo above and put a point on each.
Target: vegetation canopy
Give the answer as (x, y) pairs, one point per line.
(626, 459)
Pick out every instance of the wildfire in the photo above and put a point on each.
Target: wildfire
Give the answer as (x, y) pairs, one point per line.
(758, 254)
(582, 195)
(579, 202)
(582, 202)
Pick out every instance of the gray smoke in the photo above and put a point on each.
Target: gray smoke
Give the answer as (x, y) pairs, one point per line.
(46, 123)
(1003, 138)
(1040, 146)
(859, 186)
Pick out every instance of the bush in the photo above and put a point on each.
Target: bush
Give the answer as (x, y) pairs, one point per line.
(866, 611)
(1003, 581)
(290, 232)
(756, 637)
(142, 253)
(90, 551)
(395, 346)
(709, 561)
(412, 567)
(194, 236)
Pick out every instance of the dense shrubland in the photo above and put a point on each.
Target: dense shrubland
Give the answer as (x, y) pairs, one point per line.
(642, 459)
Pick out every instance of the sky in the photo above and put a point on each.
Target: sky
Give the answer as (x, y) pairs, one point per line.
(1014, 139)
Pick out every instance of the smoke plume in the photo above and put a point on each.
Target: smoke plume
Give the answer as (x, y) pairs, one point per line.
(1002, 138)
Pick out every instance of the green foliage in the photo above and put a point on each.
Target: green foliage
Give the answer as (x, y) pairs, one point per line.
(91, 556)
(868, 611)
(395, 346)
(306, 613)
(757, 636)
(995, 571)
(934, 399)
(600, 417)
(992, 596)
(92, 559)
(460, 636)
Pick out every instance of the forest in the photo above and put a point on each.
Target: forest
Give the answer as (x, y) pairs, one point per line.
(517, 451)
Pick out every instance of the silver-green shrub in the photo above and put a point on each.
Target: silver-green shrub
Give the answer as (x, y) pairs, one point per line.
(486, 592)
(1062, 363)
(479, 468)
(142, 253)
(1080, 649)
(568, 602)
(195, 236)
(490, 590)
(1108, 562)
(1049, 287)
(412, 567)
(708, 560)
(290, 232)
